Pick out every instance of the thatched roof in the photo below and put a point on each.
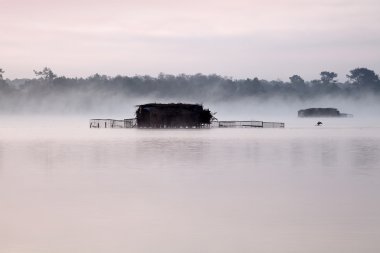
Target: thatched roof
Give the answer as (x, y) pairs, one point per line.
(172, 115)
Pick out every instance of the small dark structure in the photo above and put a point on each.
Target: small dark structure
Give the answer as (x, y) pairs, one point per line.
(172, 116)
(179, 115)
(322, 112)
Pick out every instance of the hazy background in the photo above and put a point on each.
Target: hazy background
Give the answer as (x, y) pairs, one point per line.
(245, 50)
(243, 39)
(101, 96)
(67, 188)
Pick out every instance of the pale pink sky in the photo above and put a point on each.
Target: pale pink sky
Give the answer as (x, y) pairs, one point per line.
(269, 39)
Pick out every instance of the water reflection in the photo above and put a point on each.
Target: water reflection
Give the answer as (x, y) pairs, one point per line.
(227, 190)
(365, 153)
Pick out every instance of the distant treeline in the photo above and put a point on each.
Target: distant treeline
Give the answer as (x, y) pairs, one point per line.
(48, 87)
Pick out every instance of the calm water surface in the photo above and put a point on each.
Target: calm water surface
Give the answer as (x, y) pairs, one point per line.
(66, 188)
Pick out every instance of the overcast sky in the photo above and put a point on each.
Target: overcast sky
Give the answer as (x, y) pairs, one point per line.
(269, 39)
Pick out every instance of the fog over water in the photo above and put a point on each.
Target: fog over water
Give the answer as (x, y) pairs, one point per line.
(67, 188)
(101, 96)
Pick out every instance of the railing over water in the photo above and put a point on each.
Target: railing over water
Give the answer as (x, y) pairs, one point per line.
(248, 124)
(112, 123)
(131, 123)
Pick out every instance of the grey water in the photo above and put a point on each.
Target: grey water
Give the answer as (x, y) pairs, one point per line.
(67, 188)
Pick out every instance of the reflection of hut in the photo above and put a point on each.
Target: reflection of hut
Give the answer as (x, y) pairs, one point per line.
(172, 116)
(322, 112)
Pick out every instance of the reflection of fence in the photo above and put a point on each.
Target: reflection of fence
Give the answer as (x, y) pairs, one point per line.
(248, 124)
(112, 123)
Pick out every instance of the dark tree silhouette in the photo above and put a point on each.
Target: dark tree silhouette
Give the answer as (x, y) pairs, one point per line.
(75, 94)
(297, 80)
(328, 77)
(46, 74)
(4, 85)
(363, 77)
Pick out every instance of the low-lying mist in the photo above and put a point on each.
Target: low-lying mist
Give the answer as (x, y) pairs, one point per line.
(232, 99)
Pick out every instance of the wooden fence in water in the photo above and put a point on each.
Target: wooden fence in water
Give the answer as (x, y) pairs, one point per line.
(113, 123)
(131, 123)
(249, 124)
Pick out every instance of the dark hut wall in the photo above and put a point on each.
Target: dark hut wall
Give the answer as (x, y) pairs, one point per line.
(172, 115)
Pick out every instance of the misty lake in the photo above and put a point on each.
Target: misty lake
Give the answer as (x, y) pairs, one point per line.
(67, 188)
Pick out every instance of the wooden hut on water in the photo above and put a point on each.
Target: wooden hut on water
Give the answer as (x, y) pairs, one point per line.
(172, 116)
(322, 112)
(179, 115)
